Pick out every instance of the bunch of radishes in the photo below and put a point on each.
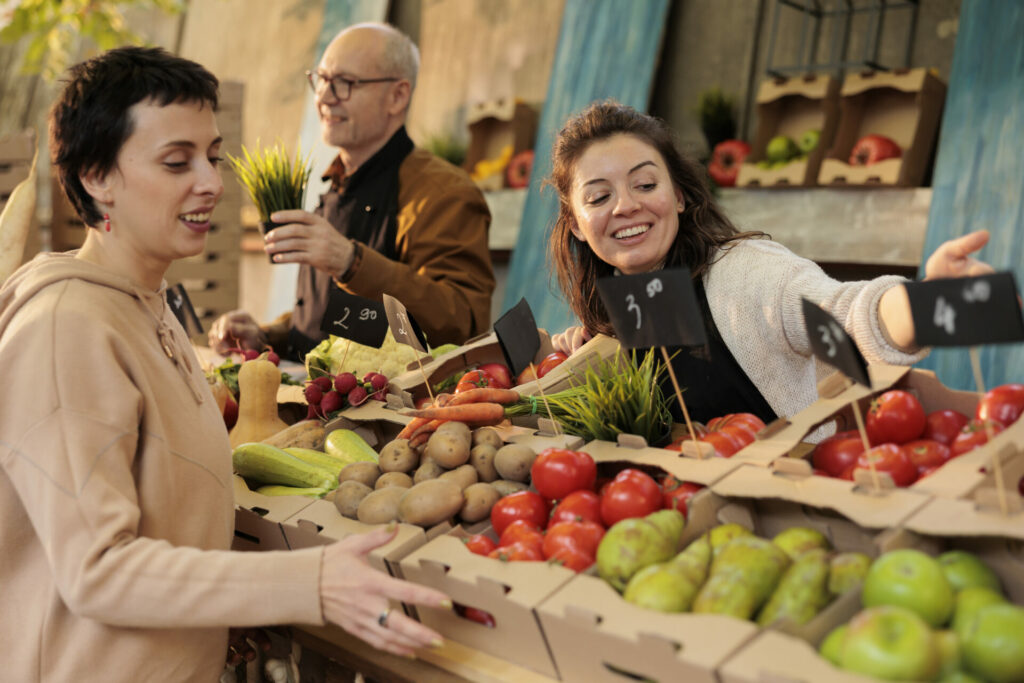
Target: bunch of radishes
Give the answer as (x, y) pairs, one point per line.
(328, 394)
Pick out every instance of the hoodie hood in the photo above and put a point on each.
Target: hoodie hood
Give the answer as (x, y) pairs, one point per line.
(50, 268)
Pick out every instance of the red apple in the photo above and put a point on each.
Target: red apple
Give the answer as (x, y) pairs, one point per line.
(873, 148)
(726, 158)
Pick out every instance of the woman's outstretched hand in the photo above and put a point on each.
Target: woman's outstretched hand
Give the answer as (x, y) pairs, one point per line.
(355, 597)
(953, 258)
(569, 341)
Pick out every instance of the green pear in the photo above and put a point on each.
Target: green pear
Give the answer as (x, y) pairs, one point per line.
(964, 569)
(695, 560)
(723, 533)
(968, 602)
(847, 571)
(663, 587)
(743, 575)
(801, 592)
(797, 540)
(635, 543)
(832, 647)
(993, 644)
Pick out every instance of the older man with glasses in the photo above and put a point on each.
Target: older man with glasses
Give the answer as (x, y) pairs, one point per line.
(396, 220)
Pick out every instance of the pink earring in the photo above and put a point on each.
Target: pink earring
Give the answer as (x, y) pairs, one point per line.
(106, 222)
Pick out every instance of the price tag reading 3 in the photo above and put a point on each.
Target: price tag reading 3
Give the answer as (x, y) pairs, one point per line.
(654, 309)
(966, 311)
(353, 317)
(831, 344)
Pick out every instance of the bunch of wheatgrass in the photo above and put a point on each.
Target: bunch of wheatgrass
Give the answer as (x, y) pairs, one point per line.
(274, 182)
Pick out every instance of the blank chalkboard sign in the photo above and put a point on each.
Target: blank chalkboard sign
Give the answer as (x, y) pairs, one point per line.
(966, 311)
(654, 309)
(353, 317)
(518, 337)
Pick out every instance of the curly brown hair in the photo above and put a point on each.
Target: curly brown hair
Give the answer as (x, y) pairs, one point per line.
(703, 227)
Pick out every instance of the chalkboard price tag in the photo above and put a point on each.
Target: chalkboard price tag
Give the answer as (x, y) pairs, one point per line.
(403, 326)
(353, 317)
(967, 311)
(517, 334)
(181, 306)
(654, 309)
(831, 344)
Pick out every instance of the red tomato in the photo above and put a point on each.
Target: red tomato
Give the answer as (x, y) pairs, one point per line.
(631, 494)
(557, 472)
(519, 505)
(500, 373)
(847, 473)
(973, 435)
(725, 443)
(837, 452)
(521, 531)
(480, 544)
(1003, 404)
(924, 472)
(478, 615)
(572, 558)
(888, 457)
(517, 552)
(743, 425)
(475, 379)
(927, 454)
(583, 536)
(578, 506)
(895, 417)
(550, 362)
(676, 494)
(944, 425)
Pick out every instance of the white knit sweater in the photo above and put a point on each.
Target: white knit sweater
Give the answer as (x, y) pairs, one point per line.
(754, 291)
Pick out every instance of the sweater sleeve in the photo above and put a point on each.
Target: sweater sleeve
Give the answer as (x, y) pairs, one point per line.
(74, 455)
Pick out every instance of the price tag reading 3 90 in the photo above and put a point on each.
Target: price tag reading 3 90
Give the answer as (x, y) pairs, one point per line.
(654, 309)
(831, 344)
(353, 317)
(966, 311)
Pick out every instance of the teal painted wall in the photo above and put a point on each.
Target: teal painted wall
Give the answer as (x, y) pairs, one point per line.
(979, 171)
(607, 48)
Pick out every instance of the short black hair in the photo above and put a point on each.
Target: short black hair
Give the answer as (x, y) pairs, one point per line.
(90, 121)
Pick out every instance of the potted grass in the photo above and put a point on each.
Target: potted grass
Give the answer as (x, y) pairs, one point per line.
(274, 181)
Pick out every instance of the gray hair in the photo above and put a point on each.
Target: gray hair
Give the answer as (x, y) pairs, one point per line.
(399, 55)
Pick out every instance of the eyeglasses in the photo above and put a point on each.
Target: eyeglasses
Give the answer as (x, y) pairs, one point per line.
(341, 87)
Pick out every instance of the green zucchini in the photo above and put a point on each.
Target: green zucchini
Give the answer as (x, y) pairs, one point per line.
(349, 446)
(268, 464)
(278, 490)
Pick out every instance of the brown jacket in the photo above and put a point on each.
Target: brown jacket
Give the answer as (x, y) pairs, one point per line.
(444, 275)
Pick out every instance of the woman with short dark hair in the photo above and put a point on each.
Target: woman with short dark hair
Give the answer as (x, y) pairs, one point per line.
(116, 492)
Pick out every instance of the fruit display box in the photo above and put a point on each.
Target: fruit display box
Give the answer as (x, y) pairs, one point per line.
(508, 591)
(633, 452)
(595, 635)
(791, 107)
(904, 106)
(258, 518)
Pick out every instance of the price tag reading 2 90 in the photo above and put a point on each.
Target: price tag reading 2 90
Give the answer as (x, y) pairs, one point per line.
(353, 317)
(654, 309)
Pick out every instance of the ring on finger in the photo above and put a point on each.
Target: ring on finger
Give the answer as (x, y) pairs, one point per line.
(382, 618)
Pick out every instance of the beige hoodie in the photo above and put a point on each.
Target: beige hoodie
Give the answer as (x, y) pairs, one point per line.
(116, 509)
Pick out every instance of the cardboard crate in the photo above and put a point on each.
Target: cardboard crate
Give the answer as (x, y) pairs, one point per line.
(904, 105)
(631, 452)
(790, 107)
(258, 518)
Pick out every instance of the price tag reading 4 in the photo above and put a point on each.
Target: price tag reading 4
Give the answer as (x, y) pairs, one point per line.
(181, 306)
(403, 326)
(654, 309)
(353, 317)
(831, 344)
(517, 334)
(966, 311)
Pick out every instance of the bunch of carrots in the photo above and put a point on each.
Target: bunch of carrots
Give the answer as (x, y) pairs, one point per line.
(476, 407)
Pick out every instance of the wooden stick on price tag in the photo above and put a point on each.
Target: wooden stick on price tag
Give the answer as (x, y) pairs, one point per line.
(867, 446)
(997, 464)
(423, 374)
(682, 403)
(554, 422)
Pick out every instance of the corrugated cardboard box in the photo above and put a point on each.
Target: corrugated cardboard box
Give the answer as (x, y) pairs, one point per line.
(258, 518)
(791, 107)
(903, 105)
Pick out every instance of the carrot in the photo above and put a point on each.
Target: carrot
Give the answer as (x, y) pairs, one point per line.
(419, 440)
(441, 400)
(429, 428)
(485, 395)
(478, 414)
(413, 425)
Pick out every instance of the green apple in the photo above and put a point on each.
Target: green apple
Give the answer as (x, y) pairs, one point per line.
(892, 643)
(797, 540)
(808, 142)
(832, 647)
(909, 578)
(960, 677)
(968, 602)
(781, 148)
(993, 647)
(964, 569)
(949, 651)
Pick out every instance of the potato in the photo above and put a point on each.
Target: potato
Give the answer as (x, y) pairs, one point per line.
(430, 502)
(513, 461)
(447, 450)
(428, 470)
(400, 479)
(482, 458)
(506, 487)
(381, 506)
(349, 495)
(364, 472)
(480, 498)
(459, 429)
(489, 436)
(397, 456)
(463, 476)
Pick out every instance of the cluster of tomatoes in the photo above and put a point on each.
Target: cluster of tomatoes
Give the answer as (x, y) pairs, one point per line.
(564, 520)
(727, 434)
(907, 443)
(497, 375)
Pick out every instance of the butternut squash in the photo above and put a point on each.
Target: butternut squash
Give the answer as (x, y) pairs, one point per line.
(258, 381)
